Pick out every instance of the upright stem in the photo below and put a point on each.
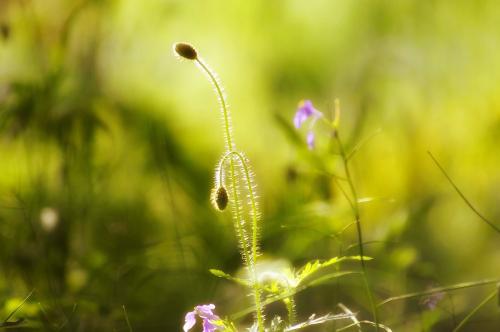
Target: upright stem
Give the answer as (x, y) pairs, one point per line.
(255, 215)
(249, 258)
(476, 308)
(290, 308)
(355, 209)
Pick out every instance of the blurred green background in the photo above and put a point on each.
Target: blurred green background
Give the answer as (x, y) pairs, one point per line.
(108, 145)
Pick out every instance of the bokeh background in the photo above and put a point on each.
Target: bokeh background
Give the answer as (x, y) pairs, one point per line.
(108, 146)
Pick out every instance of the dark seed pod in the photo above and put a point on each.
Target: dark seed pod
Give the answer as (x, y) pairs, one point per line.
(4, 30)
(185, 50)
(220, 198)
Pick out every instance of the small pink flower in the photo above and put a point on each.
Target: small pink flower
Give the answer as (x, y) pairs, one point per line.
(207, 316)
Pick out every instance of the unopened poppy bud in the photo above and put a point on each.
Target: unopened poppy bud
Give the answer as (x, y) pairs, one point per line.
(185, 50)
(220, 198)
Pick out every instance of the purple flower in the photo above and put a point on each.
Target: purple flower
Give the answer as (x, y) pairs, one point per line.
(206, 314)
(304, 111)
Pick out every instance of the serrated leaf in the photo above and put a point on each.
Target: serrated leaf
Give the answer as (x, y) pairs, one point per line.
(220, 274)
(314, 266)
(224, 275)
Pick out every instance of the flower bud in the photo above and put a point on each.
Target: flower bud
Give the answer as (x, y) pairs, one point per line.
(220, 198)
(186, 51)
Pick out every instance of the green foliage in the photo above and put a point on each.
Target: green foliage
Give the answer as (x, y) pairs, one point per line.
(107, 149)
(222, 274)
(314, 266)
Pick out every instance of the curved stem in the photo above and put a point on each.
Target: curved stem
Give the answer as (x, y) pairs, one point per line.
(220, 96)
(249, 258)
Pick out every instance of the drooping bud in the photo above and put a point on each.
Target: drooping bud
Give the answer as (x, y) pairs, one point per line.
(186, 51)
(220, 198)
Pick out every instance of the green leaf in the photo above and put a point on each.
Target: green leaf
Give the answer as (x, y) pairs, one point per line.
(224, 275)
(220, 274)
(314, 266)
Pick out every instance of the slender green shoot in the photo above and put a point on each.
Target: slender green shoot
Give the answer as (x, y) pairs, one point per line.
(435, 290)
(19, 306)
(476, 309)
(126, 318)
(469, 204)
(353, 201)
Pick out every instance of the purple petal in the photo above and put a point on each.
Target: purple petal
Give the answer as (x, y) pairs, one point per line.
(299, 118)
(205, 311)
(304, 111)
(190, 321)
(208, 326)
(310, 140)
(307, 107)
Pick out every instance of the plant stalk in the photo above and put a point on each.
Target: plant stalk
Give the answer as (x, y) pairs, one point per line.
(249, 258)
(355, 208)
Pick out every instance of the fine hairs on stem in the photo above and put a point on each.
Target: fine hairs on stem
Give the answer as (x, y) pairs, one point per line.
(235, 166)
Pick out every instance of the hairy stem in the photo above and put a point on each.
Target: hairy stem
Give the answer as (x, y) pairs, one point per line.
(250, 258)
(255, 225)
(220, 96)
(290, 308)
